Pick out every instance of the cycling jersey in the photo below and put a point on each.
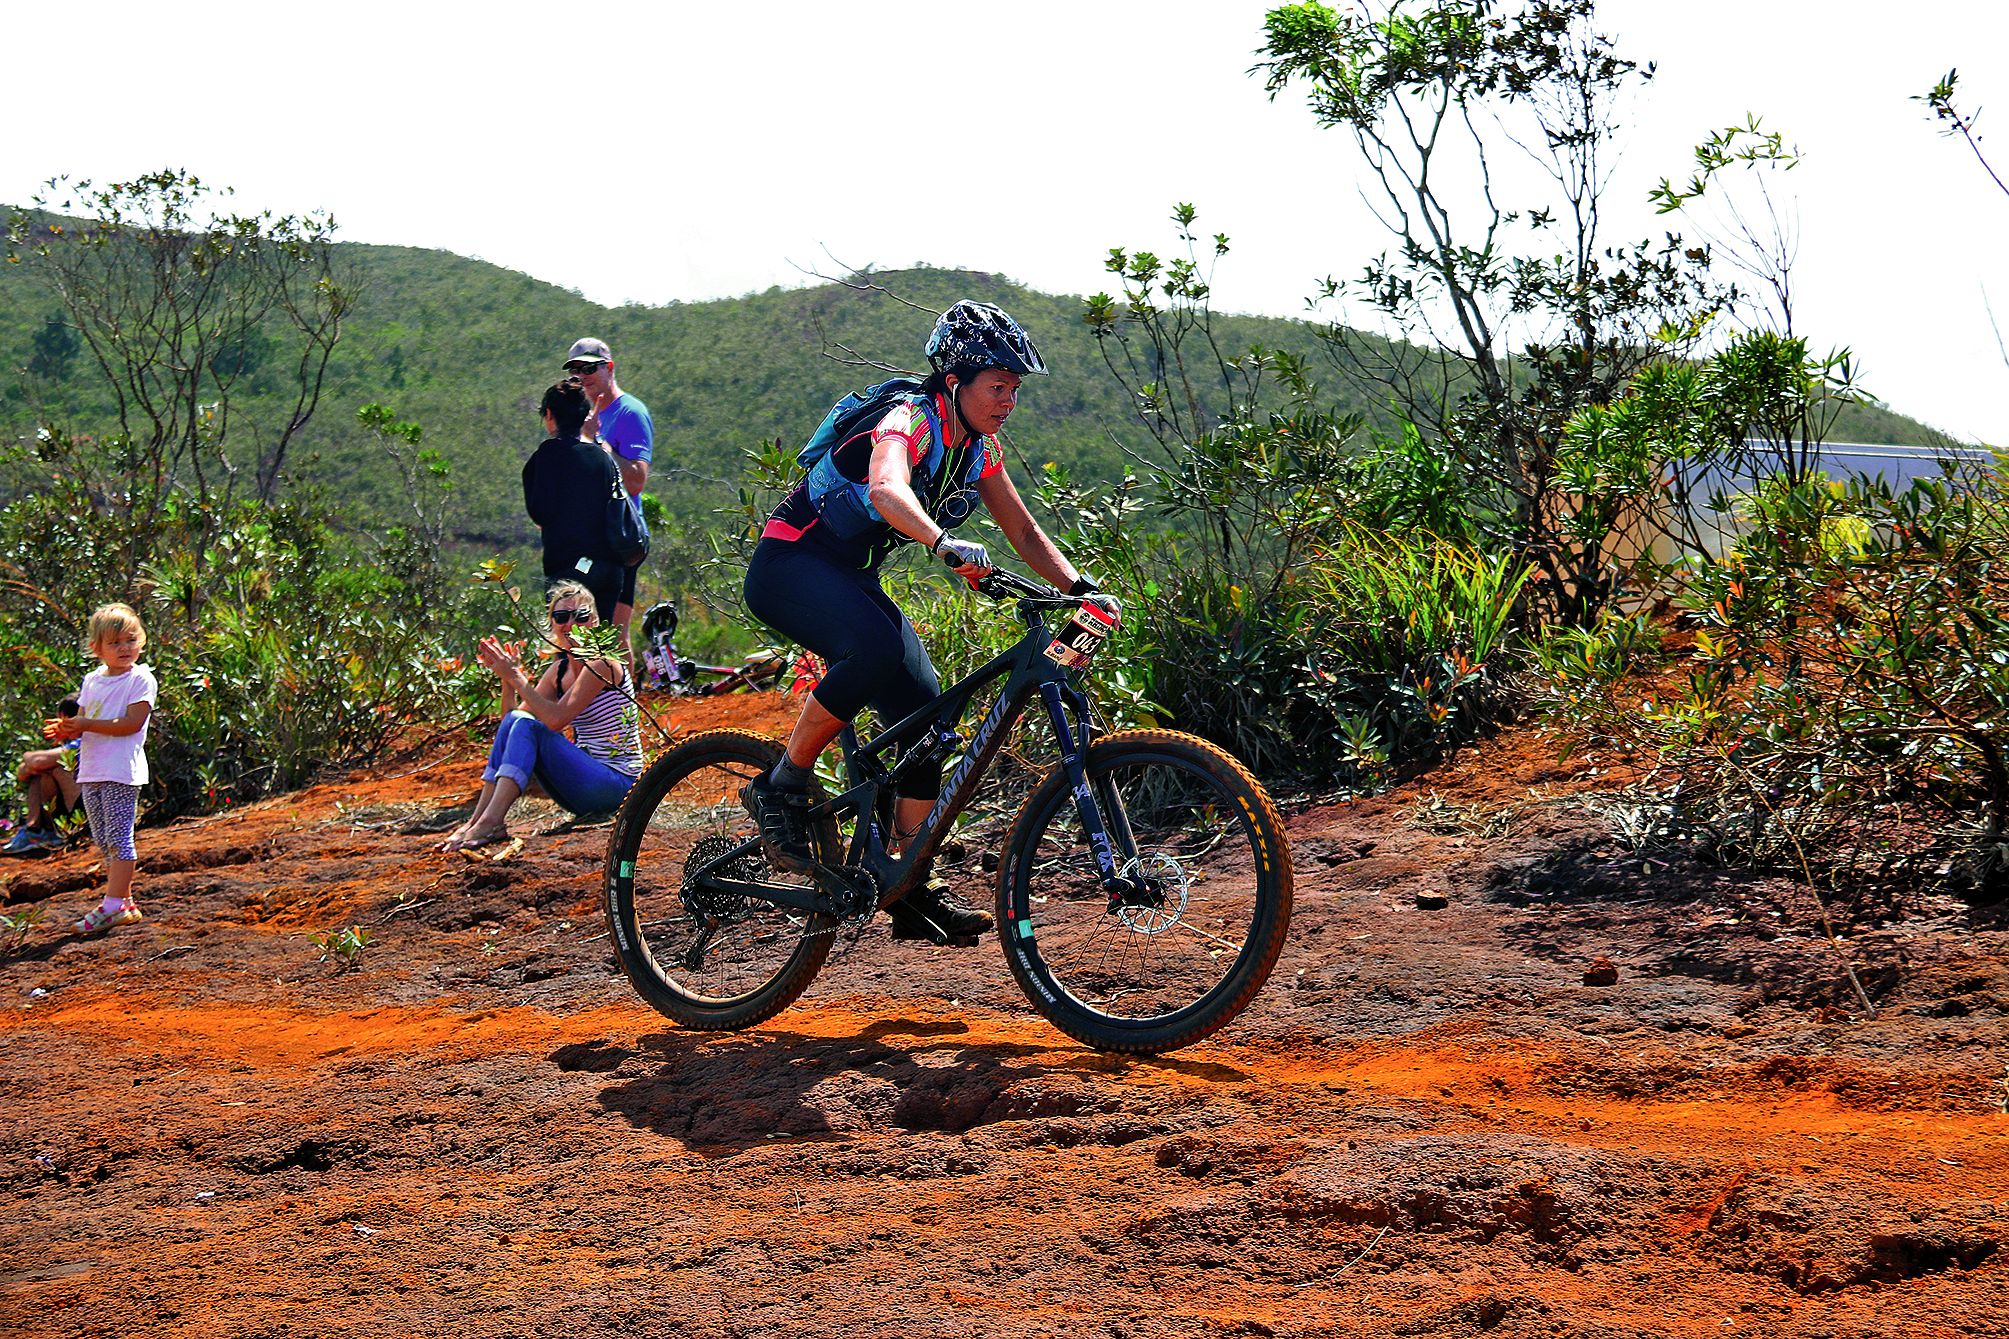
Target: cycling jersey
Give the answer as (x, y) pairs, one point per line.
(949, 497)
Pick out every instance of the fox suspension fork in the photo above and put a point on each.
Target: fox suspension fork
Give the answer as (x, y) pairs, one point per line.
(1101, 813)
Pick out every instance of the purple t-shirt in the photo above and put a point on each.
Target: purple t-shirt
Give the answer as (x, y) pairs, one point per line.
(625, 426)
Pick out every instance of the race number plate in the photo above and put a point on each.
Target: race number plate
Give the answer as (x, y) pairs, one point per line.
(1080, 637)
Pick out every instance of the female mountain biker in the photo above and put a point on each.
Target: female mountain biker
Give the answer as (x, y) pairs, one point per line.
(814, 577)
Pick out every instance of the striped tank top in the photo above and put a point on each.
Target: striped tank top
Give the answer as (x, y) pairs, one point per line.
(609, 728)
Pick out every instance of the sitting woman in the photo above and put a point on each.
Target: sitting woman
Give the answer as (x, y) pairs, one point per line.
(591, 772)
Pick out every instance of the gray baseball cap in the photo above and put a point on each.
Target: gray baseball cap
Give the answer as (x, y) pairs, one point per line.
(590, 351)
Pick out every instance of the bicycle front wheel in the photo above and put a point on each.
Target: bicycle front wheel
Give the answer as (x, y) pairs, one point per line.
(707, 956)
(1184, 952)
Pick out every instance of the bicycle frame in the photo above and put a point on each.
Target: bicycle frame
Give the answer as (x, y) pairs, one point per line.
(871, 767)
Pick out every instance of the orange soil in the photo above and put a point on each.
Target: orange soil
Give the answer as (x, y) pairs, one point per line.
(1427, 1124)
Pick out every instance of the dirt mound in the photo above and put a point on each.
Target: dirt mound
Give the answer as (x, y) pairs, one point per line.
(1827, 1234)
(1512, 1077)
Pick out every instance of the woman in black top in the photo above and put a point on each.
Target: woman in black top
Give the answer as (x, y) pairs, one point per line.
(567, 484)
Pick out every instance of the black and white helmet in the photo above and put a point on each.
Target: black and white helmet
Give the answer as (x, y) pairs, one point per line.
(979, 334)
(659, 623)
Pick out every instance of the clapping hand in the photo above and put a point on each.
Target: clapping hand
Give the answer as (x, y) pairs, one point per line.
(500, 657)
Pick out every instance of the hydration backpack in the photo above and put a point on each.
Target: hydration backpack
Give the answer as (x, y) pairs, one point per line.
(845, 504)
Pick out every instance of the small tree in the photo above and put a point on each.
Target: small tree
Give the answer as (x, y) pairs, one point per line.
(1519, 314)
(193, 315)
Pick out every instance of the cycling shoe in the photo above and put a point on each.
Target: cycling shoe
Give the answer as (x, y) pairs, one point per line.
(782, 814)
(931, 914)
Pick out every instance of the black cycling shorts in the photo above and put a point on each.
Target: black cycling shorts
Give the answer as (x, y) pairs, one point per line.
(842, 614)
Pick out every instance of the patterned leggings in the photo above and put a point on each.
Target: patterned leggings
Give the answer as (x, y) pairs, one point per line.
(113, 808)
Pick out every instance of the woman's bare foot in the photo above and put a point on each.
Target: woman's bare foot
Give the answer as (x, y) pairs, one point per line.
(472, 838)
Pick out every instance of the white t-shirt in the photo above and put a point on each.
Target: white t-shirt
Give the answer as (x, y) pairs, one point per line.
(107, 697)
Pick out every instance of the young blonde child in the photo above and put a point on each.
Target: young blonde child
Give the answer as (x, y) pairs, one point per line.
(116, 702)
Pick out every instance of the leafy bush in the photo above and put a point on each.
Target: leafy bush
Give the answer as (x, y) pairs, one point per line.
(281, 646)
(1845, 701)
(1409, 484)
(1611, 648)
(1307, 645)
(1415, 633)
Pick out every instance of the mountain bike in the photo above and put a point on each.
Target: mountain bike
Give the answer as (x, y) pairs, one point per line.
(668, 670)
(763, 670)
(1142, 896)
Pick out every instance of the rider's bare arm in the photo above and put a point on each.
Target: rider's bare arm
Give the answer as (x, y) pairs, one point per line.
(1008, 509)
(891, 480)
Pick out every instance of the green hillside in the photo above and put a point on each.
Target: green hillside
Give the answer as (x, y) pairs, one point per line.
(465, 348)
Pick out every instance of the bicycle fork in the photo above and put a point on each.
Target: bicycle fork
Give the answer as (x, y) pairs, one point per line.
(1100, 810)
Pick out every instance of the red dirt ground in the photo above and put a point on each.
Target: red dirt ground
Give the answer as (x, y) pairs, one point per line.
(1430, 1123)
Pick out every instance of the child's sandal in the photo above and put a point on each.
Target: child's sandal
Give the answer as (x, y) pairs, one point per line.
(101, 918)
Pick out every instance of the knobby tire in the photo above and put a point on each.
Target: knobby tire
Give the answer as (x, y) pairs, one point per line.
(757, 957)
(1147, 978)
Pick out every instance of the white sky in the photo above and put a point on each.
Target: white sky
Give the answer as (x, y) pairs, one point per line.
(708, 145)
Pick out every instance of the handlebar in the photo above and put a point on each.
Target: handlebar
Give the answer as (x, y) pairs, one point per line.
(1000, 584)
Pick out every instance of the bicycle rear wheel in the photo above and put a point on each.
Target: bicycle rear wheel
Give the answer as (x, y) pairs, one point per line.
(1175, 962)
(706, 956)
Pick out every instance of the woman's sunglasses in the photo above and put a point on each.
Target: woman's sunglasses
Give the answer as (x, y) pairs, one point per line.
(571, 615)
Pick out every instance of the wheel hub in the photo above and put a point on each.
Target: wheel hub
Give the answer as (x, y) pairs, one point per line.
(1160, 902)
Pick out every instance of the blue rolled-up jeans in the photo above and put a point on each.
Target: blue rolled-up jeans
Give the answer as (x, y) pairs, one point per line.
(526, 747)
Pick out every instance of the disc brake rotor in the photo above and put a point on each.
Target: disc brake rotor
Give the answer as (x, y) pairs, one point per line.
(1169, 877)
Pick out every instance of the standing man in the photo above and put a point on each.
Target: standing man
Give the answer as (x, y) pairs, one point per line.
(623, 426)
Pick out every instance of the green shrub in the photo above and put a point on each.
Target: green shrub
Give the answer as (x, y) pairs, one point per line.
(1611, 648)
(281, 646)
(1847, 696)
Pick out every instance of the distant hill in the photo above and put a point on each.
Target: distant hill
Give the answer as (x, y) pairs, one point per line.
(465, 348)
